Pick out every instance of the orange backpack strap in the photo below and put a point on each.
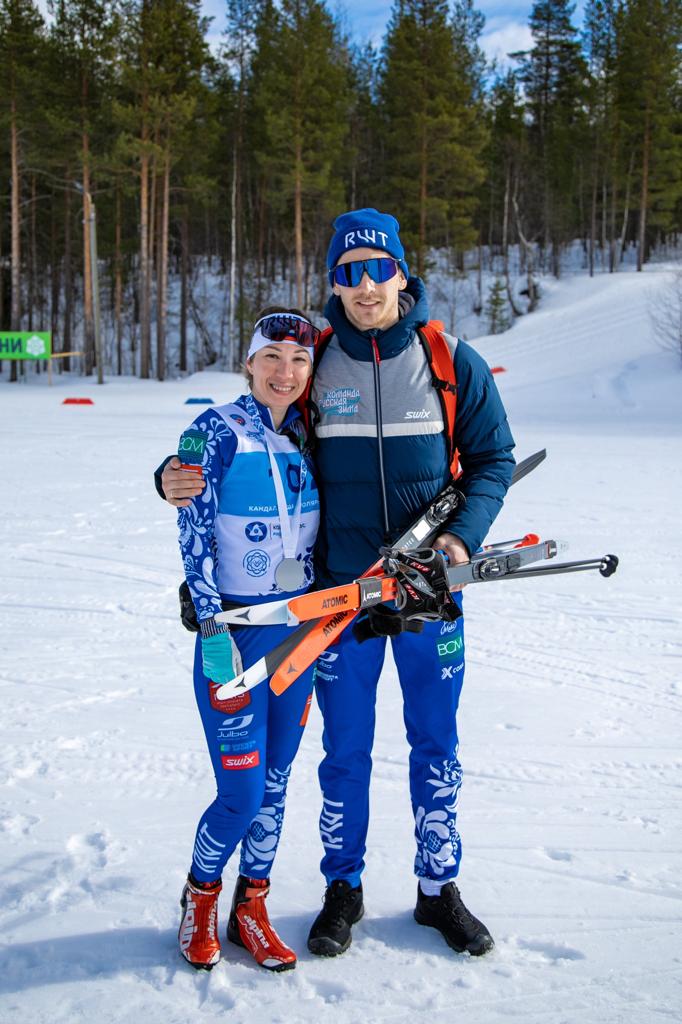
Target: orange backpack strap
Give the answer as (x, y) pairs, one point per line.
(305, 404)
(439, 357)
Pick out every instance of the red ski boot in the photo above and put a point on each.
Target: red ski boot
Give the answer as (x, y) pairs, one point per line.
(198, 934)
(249, 926)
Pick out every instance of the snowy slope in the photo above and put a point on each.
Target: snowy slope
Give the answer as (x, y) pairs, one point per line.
(570, 812)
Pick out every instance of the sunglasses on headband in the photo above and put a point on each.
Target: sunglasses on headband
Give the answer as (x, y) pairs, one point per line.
(280, 326)
(349, 275)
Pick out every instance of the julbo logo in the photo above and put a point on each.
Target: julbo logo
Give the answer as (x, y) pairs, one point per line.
(241, 761)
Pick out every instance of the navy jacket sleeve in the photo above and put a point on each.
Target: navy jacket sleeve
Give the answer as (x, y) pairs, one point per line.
(157, 477)
(485, 445)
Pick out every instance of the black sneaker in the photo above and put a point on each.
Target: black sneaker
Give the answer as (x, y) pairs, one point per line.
(461, 930)
(331, 930)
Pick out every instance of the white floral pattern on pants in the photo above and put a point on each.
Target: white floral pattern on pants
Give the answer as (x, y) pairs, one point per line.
(438, 841)
(259, 845)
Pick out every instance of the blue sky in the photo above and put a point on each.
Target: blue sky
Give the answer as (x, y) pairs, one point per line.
(506, 27)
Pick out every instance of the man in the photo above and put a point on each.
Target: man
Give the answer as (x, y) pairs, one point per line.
(382, 456)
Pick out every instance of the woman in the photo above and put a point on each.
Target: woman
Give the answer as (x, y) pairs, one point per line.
(247, 537)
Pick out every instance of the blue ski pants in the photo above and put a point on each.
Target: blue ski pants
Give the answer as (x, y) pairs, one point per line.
(252, 740)
(431, 670)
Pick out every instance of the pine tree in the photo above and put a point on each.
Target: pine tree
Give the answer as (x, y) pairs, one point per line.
(21, 55)
(496, 309)
(648, 82)
(554, 77)
(301, 100)
(433, 128)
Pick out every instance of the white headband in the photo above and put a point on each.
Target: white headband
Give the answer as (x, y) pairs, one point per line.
(259, 341)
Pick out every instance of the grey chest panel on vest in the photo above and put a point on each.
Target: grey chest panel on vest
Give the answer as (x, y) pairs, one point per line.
(344, 393)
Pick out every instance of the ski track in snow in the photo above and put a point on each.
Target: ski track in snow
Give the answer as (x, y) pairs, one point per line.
(570, 720)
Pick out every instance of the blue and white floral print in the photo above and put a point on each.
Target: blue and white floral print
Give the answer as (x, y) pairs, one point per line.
(259, 845)
(438, 841)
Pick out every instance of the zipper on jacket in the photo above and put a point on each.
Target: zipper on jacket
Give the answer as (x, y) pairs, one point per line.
(380, 436)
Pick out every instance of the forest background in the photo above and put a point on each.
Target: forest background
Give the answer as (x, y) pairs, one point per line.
(222, 168)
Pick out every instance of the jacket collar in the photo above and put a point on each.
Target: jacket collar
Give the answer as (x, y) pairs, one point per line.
(413, 309)
(290, 416)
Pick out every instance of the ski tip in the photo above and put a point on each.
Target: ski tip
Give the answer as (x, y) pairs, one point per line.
(234, 688)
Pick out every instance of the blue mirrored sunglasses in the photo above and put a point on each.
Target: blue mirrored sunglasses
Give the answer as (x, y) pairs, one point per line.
(349, 275)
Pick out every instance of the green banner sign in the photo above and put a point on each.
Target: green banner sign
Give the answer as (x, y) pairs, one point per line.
(25, 345)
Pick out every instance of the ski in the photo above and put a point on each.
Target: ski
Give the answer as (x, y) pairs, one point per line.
(370, 590)
(285, 662)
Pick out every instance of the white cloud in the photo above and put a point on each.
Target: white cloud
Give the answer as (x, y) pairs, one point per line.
(501, 37)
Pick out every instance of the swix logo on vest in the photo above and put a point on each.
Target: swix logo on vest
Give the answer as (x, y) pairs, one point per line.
(256, 532)
(417, 414)
(448, 647)
(368, 236)
(335, 602)
(448, 627)
(241, 761)
(330, 822)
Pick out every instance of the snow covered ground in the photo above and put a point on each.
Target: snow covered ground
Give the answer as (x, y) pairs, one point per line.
(571, 812)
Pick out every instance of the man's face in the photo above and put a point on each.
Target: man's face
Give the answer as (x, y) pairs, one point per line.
(370, 306)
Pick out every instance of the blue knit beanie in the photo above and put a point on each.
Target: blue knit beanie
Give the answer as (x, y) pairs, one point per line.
(368, 229)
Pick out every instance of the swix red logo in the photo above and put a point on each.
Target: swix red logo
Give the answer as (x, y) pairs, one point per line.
(238, 762)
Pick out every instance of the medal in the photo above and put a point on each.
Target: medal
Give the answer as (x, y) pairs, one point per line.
(290, 574)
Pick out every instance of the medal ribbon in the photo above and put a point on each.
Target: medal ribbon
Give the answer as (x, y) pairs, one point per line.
(289, 524)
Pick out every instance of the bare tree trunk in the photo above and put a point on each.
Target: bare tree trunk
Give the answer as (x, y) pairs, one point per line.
(162, 274)
(298, 221)
(532, 294)
(55, 281)
(593, 222)
(626, 206)
(68, 283)
(423, 188)
(15, 274)
(505, 242)
(145, 334)
(233, 264)
(88, 323)
(184, 271)
(644, 198)
(33, 260)
(118, 287)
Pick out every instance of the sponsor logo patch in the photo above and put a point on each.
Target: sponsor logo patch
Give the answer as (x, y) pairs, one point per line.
(238, 762)
(256, 563)
(450, 671)
(231, 705)
(447, 648)
(256, 532)
(192, 446)
(234, 747)
(341, 401)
